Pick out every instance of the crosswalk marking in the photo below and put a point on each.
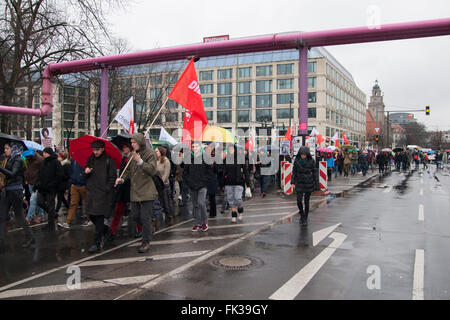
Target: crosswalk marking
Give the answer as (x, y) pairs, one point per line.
(141, 258)
(235, 225)
(296, 284)
(186, 240)
(421, 212)
(245, 215)
(84, 285)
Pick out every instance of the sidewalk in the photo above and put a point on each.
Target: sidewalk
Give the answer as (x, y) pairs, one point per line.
(336, 188)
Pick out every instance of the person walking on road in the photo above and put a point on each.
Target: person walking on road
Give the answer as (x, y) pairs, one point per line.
(235, 176)
(304, 180)
(347, 162)
(12, 179)
(330, 165)
(34, 161)
(64, 185)
(197, 175)
(50, 176)
(122, 195)
(77, 183)
(101, 173)
(164, 169)
(143, 192)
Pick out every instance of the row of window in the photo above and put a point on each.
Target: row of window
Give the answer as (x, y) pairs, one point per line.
(335, 75)
(343, 121)
(246, 72)
(245, 87)
(262, 101)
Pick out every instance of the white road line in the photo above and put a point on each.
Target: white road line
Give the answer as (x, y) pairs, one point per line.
(421, 180)
(30, 226)
(266, 208)
(421, 191)
(421, 212)
(141, 258)
(318, 236)
(245, 215)
(194, 240)
(84, 285)
(84, 259)
(234, 225)
(419, 266)
(190, 264)
(296, 284)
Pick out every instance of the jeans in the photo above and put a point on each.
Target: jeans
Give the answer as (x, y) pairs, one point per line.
(199, 211)
(234, 195)
(142, 214)
(336, 170)
(263, 182)
(33, 204)
(184, 189)
(353, 169)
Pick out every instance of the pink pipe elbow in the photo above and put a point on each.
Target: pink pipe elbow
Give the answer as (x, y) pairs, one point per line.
(47, 93)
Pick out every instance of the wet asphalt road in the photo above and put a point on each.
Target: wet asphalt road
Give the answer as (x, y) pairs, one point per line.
(365, 245)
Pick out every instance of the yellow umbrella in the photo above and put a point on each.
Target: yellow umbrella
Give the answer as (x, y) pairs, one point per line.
(218, 134)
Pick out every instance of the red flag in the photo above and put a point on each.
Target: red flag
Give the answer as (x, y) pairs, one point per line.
(345, 138)
(187, 93)
(320, 139)
(288, 134)
(250, 145)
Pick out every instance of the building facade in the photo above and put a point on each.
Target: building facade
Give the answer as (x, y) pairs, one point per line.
(252, 92)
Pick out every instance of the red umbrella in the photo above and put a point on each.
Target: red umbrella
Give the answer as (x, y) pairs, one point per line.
(80, 149)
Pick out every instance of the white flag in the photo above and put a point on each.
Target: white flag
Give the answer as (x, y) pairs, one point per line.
(314, 132)
(165, 136)
(126, 116)
(335, 137)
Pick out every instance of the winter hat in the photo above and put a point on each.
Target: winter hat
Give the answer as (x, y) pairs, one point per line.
(303, 150)
(48, 150)
(98, 144)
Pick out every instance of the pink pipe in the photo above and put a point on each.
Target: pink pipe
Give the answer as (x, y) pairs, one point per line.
(407, 30)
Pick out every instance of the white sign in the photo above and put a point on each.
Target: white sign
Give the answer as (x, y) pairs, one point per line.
(46, 137)
(285, 147)
(311, 143)
(297, 143)
(377, 129)
(216, 38)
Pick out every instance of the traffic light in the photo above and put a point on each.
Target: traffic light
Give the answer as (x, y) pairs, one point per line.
(377, 138)
(427, 110)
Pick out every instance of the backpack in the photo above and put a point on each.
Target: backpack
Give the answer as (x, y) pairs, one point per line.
(159, 184)
(416, 157)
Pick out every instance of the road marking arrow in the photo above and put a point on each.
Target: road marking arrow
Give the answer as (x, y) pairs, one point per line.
(296, 284)
(318, 236)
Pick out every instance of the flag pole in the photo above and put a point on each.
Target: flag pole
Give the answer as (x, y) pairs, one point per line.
(160, 109)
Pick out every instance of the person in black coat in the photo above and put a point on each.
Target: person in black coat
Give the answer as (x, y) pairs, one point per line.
(304, 180)
(197, 175)
(12, 170)
(235, 176)
(101, 175)
(64, 186)
(49, 179)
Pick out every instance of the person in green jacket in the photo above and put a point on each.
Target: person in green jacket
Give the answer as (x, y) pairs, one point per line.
(143, 191)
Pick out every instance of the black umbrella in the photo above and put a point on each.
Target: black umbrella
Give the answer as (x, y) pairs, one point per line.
(398, 149)
(5, 138)
(121, 139)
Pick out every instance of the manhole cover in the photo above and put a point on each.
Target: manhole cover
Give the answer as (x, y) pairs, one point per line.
(236, 262)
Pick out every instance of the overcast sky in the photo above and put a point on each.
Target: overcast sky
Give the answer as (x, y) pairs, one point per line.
(412, 73)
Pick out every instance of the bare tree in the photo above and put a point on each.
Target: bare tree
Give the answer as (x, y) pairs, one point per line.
(36, 32)
(415, 134)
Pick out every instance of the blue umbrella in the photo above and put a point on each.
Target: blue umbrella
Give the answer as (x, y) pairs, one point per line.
(431, 152)
(33, 145)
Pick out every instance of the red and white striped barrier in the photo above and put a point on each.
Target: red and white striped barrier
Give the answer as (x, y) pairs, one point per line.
(282, 174)
(323, 175)
(287, 188)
